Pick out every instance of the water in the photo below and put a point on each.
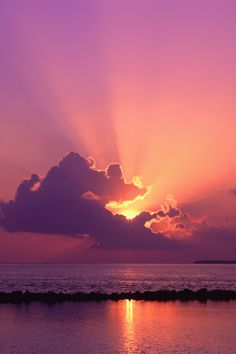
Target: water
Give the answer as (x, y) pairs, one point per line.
(118, 327)
(107, 278)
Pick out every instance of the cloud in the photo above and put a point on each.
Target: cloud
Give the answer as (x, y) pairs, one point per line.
(71, 200)
(177, 227)
(209, 242)
(233, 191)
(172, 221)
(77, 175)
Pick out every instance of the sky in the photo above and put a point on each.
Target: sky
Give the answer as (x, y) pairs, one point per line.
(143, 93)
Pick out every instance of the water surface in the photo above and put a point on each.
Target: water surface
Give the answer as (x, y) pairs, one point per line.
(118, 327)
(106, 278)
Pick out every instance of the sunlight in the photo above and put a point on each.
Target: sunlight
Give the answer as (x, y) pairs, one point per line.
(123, 208)
(130, 213)
(130, 208)
(129, 326)
(129, 311)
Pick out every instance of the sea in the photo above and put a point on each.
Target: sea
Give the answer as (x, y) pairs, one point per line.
(107, 278)
(125, 326)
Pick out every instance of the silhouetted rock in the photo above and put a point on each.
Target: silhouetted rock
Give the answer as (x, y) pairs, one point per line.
(202, 295)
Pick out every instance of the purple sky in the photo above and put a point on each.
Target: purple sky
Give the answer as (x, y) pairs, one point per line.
(149, 85)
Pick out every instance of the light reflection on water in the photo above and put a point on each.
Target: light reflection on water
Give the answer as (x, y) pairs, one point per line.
(129, 339)
(118, 327)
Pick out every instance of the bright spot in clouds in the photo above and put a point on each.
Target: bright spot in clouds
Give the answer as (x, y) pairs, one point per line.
(130, 213)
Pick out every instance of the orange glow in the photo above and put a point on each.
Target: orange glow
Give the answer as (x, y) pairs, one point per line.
(130, 208)
(129, 325)
(129, 311)
(124, 208)
(130, 214)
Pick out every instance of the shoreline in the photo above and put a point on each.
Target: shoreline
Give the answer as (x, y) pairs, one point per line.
(202, 295)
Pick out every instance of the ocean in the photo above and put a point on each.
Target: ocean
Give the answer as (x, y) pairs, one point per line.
(107, 278)
(124, 326)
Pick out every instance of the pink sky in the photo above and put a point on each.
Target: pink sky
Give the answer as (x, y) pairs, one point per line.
(147, 84)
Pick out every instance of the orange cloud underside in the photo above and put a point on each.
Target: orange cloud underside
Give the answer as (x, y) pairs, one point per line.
(130, 208)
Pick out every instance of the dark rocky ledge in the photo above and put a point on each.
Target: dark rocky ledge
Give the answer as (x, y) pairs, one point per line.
(162, 295)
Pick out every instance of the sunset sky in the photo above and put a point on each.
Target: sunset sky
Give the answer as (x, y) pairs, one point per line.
(146, 87)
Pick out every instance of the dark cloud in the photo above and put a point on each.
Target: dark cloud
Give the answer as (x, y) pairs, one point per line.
(209, 242)
(171, 212)
(70, 200)
(233, 191)
(77, 175)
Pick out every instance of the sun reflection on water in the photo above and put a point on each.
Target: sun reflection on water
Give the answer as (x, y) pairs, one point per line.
(129, 311)
(129, 326)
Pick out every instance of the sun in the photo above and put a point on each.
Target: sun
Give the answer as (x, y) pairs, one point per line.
(129, 213)
(125, 208)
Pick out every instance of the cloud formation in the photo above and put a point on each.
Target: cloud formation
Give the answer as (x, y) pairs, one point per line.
(233, 191)
(71, 200)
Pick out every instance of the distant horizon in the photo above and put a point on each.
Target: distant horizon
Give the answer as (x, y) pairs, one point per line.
(130, 263)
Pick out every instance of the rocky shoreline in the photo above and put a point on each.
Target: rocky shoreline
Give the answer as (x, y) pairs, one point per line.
(201, 295)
